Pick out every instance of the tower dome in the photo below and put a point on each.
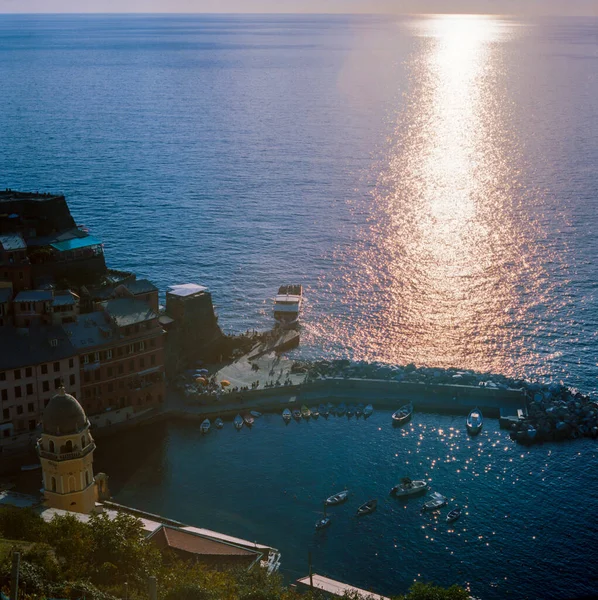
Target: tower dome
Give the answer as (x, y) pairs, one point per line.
(63, 415)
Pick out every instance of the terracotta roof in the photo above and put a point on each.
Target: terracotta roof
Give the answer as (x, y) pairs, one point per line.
(196, 544)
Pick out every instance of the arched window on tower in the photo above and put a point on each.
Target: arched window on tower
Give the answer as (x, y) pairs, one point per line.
(51, 447)
(68, 447)
(53, 482)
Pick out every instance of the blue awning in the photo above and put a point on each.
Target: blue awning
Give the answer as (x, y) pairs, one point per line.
(76, 243)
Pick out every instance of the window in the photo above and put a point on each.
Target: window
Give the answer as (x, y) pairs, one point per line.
(120, 369)
(54, 344)
(6, 414)
(120, 350)
(28, 372)
(153, 359)
(108, 354)
(44, 369)
(131, 348)
(17, 373)
(71, 380)
(96, 356)
(30, 407)
(85, 359)
(29, 389)
(71, 363)
(53, 484)
(18, 391)
(141, 363)
(57, 383)
(46, 386)
(109, 371)
(68, 447)
(141, 346)
(96, 375)
(56, 367)
(19, 410)
(20, 274)
(2, 376)
(4, 395)
(131, 365)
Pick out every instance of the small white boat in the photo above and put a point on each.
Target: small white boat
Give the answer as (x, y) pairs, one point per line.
(403, 414)
(219, 423)
(409, 488)
(255, 413)
(368, 410)
(287, 415)
(238, 422)
(453, 515)
(437, 501)
(475, 421)
(287, 304)
(323, 523)
(337, 498)
(205, 426)
(248, 419)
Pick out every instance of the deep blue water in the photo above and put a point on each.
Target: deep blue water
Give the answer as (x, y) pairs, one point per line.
(431, 181)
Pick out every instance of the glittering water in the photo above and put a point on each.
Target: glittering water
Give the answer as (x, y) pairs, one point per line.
(528, 513)
(431, 181)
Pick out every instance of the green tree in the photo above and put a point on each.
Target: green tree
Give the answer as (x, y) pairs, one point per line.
(428, 591)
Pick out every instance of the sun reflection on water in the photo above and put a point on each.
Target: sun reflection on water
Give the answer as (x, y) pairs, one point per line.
(448, 256)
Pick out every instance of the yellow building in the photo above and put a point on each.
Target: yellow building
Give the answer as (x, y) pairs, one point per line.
(66, 450)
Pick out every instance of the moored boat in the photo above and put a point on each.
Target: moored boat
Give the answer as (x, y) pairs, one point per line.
(338, 498)
(297, 414)
(403, 414)
(474, 421)
(287, 415)
(368, 410)
(219, 423)
(409, 488)
(341, 409)
(255, 413)
(323, 522)
(350, 410)
(359, 410)
(323, 410)
(331, 408)
(287, 304)
(238, 422)
(453, 515)
(305, 412)
(205, 426)
(315, 413)
(367, 508)
(436, 501)
(248, 419)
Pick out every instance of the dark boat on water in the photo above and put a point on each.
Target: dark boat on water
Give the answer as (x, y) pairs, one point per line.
(475, 421)
(359, 410)
(337, 498)
(367, 508)
(297, 414)
(402, 415)
(248, 419)
(323, 410)
(350, 410)
(453, 515)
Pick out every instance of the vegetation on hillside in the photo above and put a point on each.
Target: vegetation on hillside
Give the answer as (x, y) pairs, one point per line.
(102, 558)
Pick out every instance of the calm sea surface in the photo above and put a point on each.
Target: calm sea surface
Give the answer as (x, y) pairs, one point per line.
(431, 182)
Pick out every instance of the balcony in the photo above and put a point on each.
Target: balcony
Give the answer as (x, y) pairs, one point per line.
(62, 456)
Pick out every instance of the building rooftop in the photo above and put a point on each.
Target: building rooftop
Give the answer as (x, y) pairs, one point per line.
(128, 311)
(33, 346)
(76, 243)
(5, 294)
(90, 330)
(12, 241)
(63, 415)
(33, 296)
(71, 233)
(195, 543)
(64, 299)
(140, 286)
(186, 289)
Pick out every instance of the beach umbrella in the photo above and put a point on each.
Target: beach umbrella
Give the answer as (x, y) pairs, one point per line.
(225, 383)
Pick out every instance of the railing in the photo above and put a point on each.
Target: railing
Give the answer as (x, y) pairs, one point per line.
(66, 455)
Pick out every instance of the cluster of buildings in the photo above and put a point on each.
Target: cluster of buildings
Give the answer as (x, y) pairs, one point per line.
(66, 320)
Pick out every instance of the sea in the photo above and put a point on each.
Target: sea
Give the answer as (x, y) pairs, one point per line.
(431, 181)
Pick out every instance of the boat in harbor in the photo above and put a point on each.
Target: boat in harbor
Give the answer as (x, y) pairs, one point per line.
(287, 304)
(368, 410)
(341, 409)
(436, 501)
(255, 414)
(359, 410)
(324, 521)
(323, 410)
(315, 413)
(331, 408)
(453, 515)
(248, 419)
(287, 415)
(403, 414)
(350, 410)
(238, 422)
(305, 412)
(367, 508)
(338, 498)
(297, 414)
(219, 423)
(474, 421)
(407, 487)
(205, 426)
